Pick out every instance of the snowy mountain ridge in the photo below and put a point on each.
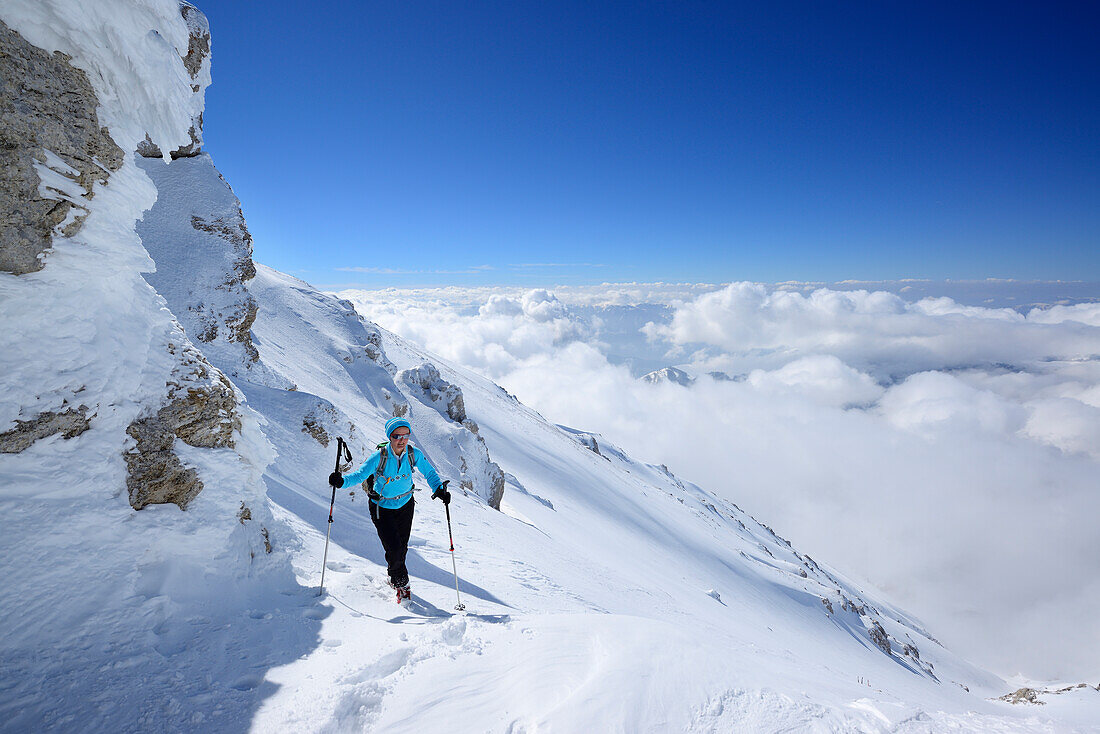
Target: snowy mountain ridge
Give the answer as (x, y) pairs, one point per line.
(168, 420)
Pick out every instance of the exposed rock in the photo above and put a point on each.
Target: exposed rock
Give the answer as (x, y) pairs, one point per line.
(850, 606)
(69, 423)
(879, 637)
(1023, 695)
(201, 411)
(438, 391)
(589, 442)
(244, 513)
(148, 149)
(239, 319)
(1031, 695)
(155, 474)
(496, 485)
(198, 42)
(828, 605)
(46, 104)
(398, 409)
(313, 427)
(374, 350)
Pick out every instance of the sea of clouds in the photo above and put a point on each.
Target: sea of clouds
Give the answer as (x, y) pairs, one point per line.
(941, 441)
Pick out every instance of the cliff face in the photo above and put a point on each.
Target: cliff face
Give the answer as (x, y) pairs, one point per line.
(53, 149)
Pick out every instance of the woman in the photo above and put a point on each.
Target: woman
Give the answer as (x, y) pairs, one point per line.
(391, 496)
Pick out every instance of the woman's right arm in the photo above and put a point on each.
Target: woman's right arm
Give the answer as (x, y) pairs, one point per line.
(362, 472)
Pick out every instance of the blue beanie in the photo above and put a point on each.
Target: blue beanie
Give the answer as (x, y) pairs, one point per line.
(394, 423)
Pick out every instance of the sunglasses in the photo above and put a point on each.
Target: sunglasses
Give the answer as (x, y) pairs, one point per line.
(399, 437)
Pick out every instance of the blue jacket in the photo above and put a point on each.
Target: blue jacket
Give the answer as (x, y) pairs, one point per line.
(396, 483)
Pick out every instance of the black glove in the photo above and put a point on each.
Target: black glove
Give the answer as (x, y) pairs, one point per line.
(442, 494)
(336, 479)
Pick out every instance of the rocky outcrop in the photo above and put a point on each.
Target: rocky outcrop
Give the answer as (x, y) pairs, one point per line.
(315, 421)
(241, 314)
(69, 423)
(879, 637)
(494, 476)
(1032, 695)
(446, 398)
(374, 350)
(53, 151)
(201, 411)
(479, 474)
(198, 42)
(589, 442)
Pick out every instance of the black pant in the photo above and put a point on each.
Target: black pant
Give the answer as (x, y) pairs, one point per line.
(394, 527)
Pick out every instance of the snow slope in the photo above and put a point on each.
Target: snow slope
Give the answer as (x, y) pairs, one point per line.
(604, 594)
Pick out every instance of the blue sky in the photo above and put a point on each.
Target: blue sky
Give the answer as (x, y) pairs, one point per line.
(521, 142)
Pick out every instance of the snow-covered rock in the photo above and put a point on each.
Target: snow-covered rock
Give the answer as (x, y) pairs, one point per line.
(197, 235)
(197, 63)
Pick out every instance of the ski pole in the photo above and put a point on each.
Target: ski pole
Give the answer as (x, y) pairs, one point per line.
(447, 507)
(341, 448)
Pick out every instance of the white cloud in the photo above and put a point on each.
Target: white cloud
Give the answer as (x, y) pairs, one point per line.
(947, 453)
(820, 380)
(746, 325)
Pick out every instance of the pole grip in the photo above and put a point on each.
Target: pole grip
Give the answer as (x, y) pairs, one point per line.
(339, 451)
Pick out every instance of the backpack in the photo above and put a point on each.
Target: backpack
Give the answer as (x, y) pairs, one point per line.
(382, 467)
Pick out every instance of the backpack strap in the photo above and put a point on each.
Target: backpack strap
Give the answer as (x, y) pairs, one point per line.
(373, 478)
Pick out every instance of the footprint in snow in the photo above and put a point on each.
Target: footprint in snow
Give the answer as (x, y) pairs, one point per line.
(338, 567)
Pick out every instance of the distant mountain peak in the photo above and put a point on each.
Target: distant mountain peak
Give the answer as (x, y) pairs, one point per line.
(669, 374)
